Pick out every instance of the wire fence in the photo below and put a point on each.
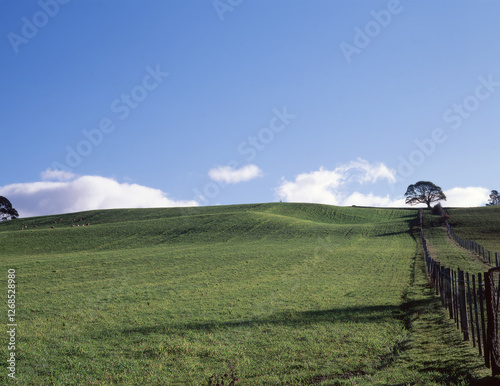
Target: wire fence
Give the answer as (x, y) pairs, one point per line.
(487, 256)
(464, 296)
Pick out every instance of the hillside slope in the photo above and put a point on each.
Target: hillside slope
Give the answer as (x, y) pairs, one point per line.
(138, 228)
(275, 293)
(481, 225)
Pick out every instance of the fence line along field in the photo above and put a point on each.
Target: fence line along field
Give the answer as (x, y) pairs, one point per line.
(482, 225)
(447, 252)
(255, 294)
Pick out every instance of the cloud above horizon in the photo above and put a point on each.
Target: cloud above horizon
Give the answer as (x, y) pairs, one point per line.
(466, 197)
(230, 175)
(71, 193)
(58, 175)
(329, 186)
(332, 187)
(64, 192)
(458, 197)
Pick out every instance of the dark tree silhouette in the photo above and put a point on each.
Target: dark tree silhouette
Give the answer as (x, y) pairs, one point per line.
(424, 192)
(7, 212)
(494, 198)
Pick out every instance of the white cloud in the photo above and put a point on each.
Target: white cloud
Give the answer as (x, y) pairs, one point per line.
(471, 196)
(231, 175)
(366, 172)
(370, 199)
(329, 186)
(57, 175)
(83, 193)
(319, 187)
(335, 187)
(332, 187)
(466, 197)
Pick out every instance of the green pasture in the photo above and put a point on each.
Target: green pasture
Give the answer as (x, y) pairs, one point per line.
(443, 249)
(267, 293)
(481, 225)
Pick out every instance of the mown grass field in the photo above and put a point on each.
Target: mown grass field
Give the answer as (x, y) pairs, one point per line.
(268, 293)
(443, 249)
(479, 224)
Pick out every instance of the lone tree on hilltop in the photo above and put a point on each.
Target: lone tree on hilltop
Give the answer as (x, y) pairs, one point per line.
(424, 192)
(7, 212)
(494, 198)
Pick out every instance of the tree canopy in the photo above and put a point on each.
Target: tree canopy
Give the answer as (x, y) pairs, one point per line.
(494, 198)
(424, 192)
(7, 212)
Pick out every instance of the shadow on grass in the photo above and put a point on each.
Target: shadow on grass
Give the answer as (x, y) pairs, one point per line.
(393, 233)
(374, 314)
(410, 220)
(485, 381)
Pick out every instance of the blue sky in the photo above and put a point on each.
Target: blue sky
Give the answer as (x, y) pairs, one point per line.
(119, 103)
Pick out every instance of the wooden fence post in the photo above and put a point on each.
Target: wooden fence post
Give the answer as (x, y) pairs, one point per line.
(469, 305)
(455, 299)
(437, 269)
(476, 314)
(490, 316)
(441, 285)
(463, 307)
(449, 292)
(492, 300)
(481, 284)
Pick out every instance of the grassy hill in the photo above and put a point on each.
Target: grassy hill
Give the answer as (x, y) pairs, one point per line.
(479, 224)
(268, 293)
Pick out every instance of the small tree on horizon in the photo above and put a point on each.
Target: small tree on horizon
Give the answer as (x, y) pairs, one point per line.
(494, 198)
(424, 192)
(7, 212)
